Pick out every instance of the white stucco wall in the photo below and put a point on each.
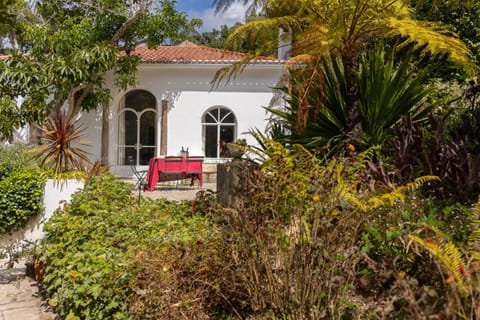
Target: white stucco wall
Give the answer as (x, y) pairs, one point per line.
(189, 92)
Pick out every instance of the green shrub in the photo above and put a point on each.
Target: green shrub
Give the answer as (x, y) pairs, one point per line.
(93, 250)
(13, 157)
(21, 197)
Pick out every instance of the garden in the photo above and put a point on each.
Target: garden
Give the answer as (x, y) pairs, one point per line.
(360, 201)
(309, 238)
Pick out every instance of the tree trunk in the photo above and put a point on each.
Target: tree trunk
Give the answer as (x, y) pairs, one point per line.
(164, 128)
(350, 66)
(105, 130)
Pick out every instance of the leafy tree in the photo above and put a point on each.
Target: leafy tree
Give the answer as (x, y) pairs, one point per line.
(13, 15)
(68, 53)
(344, 28)
(215, 38)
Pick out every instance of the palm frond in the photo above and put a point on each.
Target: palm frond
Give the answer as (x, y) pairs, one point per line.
(429, 38)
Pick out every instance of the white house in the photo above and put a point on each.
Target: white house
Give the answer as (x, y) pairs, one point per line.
(174, 106)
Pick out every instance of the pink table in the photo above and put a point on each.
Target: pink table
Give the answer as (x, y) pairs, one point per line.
(172, 168)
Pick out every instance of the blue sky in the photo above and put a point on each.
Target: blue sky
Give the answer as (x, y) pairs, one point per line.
(203, 9)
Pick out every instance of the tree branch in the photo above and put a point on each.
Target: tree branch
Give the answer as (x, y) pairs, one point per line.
(75, 104)
(142, 8)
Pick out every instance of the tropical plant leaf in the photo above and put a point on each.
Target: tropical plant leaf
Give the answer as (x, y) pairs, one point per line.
(447, 253)
(58, 150)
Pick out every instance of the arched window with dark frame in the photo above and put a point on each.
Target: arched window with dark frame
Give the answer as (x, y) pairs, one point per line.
(137, 128)
(219, 128)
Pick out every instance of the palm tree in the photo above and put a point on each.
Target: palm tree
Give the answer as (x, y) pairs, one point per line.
(344, 28)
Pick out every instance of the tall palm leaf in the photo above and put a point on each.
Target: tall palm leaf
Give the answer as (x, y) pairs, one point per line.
(387, 92)
(326, 123)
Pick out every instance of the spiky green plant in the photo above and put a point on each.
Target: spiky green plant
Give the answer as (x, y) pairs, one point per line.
(387, 91)
(61, 140)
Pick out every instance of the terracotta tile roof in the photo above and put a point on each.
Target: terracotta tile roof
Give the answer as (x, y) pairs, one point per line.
(189, 53)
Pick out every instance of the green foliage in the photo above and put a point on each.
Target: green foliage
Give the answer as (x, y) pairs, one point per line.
(13, 157)
(462, 18)
(21, 196)
(215, 38)
(326, 121)
(345, 28)
(21, 187)
(334, 24)
(73, 46)
(93, 250)
(14, 14)
(10, 117)
(387, 91)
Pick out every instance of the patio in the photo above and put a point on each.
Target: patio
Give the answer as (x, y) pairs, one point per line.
(171, 191)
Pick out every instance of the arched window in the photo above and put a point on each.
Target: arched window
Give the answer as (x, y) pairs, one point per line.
(219, 126)
(137, 128)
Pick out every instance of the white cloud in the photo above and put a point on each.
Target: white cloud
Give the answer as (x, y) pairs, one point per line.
(235, 13)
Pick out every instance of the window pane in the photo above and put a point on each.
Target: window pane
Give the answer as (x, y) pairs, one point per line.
(147, 129)
(146, 153)
(229, 119)
(139, 100)
(129, 156)
(211, 141)
(209, 118)
(227, 133)
(223, 113)
(130, 128)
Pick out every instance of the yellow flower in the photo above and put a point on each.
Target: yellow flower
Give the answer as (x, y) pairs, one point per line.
(351, 147)
(316, 198)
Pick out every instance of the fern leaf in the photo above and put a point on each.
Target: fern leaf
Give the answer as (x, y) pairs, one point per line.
(411, 186)
(429, 38)
(449, 256)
